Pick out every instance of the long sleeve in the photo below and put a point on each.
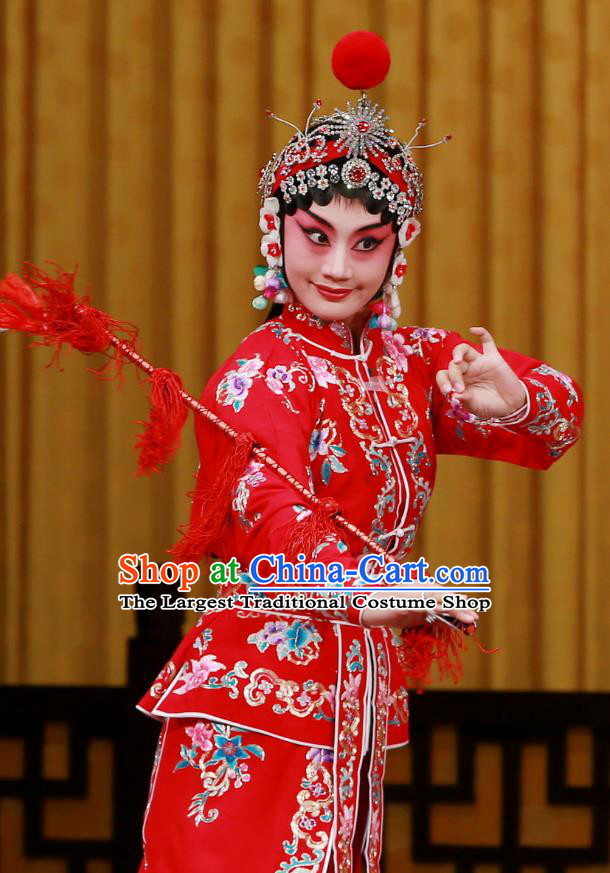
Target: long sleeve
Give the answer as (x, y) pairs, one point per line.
(266, 390)
(548, 426)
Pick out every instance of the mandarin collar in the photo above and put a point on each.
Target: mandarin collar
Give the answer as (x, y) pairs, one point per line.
(334, 337)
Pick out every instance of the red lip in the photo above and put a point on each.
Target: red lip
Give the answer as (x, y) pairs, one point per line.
(332, 293)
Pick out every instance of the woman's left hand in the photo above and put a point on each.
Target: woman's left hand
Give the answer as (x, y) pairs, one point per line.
(483, 383)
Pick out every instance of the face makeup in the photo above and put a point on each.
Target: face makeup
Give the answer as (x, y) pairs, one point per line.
(336, 259)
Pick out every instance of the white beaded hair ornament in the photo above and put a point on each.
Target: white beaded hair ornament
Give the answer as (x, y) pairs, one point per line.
(352, 146)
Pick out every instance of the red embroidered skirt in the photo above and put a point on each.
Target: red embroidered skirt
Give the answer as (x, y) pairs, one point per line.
(223, 798)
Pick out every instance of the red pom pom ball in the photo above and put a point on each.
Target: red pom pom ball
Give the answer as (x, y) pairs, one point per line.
(361, 60)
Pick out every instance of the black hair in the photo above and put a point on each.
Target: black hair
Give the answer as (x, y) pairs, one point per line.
(339, 191)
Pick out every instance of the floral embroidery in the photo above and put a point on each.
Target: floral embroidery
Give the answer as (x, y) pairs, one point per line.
(322, 371)
(251, 478)
(419, 335)
(290, 697)
(378, 763)
(278, 378)
(220, 770)
(346, 823)
(355, 661)
(198, 675)
(163, 680)
(356, 403)
(200, 735)
(315, 808)
(199, 672)
(347, 748)
(298, 641)
(234, 388)
(396, 347)
(399, 703)
(398, 397)
(386, 498)
(564, 380)
(549, 420)
(326, 443)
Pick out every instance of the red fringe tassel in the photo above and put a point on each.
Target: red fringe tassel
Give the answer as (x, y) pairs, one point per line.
(211, 504)
(161, 437)
(421, 646)
(55, 313)
(58, 317)
(312, 530)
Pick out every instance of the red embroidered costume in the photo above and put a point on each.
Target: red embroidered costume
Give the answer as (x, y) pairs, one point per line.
(307, 691)
(276, 724)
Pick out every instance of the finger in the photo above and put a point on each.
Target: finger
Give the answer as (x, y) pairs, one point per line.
(455, 375)
(487, 341)
(468, 616)
(439, 595)
(443, 381)
(465, 352)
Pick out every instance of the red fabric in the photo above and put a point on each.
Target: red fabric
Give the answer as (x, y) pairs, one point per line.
(212, 502)
(328, 414)
(273, 824)
(361, 60)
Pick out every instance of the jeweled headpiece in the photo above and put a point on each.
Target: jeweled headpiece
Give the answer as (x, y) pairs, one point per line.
(352, 146)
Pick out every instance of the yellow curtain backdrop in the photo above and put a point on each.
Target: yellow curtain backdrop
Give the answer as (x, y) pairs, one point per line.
(134, 131)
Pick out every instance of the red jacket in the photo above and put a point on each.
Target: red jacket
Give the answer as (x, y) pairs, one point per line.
(363, 427)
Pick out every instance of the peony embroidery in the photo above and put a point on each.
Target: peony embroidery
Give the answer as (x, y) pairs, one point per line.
(200, 670)
(324, 442)
(279, 378)
(201, 736)
(322, 372)
(397, 349)
(233, 389)
(251, 478)
(298, 641)
(224, 769)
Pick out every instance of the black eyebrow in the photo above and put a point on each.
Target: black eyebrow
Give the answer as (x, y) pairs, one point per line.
(377, 224)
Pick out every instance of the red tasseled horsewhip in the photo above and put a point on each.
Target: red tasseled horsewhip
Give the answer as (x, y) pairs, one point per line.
(50, 309)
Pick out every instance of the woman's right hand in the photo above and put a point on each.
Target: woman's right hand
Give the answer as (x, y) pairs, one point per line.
(407, 618)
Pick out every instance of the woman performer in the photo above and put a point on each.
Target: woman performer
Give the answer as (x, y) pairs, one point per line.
(276, 723)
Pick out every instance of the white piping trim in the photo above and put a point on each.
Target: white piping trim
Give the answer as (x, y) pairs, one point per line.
(148, 713)
(362, 356)
(398, 745)
(330, 847)
(394, 441)
(401, 470)
(383, 767)
(160, 747)
(367, 827)
(336, 742)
